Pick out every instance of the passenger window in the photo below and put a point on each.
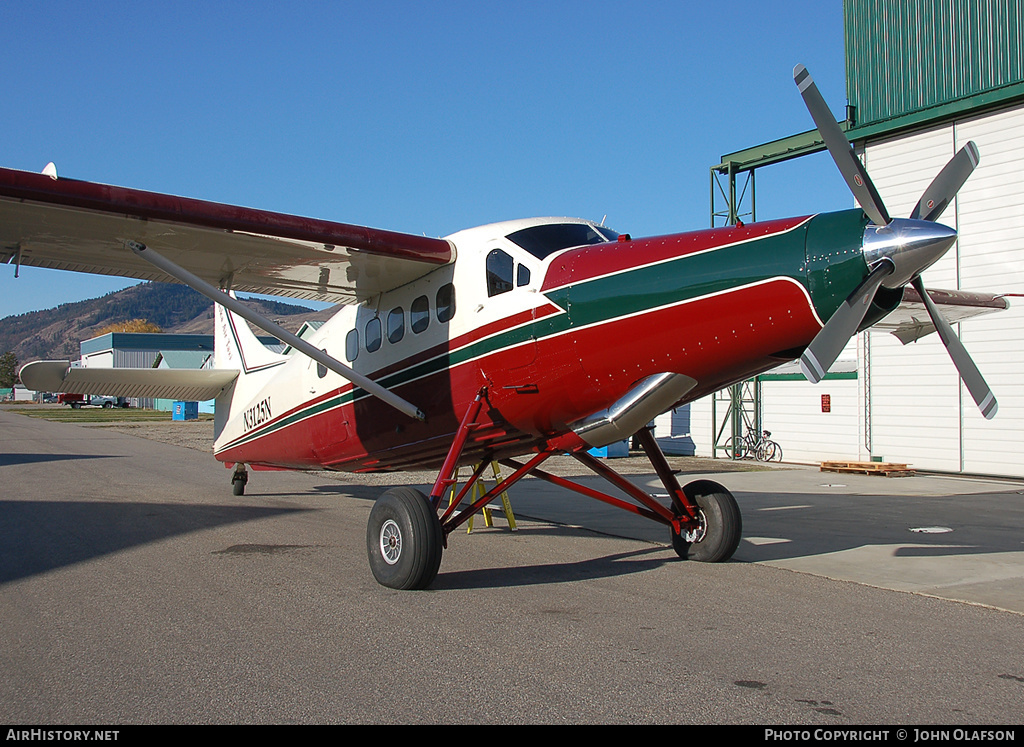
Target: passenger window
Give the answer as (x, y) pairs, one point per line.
(352, 345)
(419, 314)
(373, 336)
(396, 324)
(499, 272)
(445, 302)
(522, 275)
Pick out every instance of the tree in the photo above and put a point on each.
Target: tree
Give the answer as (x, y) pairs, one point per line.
(132, 325)
(8, 370)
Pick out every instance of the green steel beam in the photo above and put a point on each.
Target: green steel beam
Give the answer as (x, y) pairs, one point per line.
(805, 143)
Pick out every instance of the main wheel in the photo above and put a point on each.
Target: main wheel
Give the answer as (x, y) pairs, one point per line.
(720, 528)
(404, 540)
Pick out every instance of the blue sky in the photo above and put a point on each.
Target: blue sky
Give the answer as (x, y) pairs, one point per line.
(423, 117)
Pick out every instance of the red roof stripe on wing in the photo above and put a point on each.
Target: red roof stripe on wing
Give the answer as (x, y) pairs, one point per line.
(25, 185)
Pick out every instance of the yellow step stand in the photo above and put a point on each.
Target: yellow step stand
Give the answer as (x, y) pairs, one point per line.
(478, 491)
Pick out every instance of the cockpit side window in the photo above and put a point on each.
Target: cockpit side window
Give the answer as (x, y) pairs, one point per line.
(499, 272)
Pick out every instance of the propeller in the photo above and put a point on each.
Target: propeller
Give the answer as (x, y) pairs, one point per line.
(897, 250)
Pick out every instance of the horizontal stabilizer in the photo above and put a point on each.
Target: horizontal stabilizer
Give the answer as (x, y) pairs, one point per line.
(910, 321)
(192, 385)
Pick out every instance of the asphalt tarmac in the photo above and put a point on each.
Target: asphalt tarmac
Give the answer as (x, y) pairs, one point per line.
(134, 588)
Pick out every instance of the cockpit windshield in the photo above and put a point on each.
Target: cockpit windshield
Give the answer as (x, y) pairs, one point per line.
(540, 241)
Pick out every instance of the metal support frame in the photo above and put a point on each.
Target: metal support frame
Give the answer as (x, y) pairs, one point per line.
(732, 213)
(743, 413)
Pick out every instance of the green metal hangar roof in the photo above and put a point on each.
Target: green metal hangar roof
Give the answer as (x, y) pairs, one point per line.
(923, 79)
(911, 64)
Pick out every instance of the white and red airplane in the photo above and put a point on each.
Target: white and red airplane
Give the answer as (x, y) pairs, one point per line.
(515, 340)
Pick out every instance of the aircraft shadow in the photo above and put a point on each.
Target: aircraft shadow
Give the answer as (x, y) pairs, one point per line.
(608, 566)
(795, 525)
(776, 526)
(10, 460)
(41, 536)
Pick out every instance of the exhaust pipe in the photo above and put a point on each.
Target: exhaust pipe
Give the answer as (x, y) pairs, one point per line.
(635, 409)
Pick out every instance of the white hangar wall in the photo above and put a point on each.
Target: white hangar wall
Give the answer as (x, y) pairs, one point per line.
(907, 403)
(917, 410)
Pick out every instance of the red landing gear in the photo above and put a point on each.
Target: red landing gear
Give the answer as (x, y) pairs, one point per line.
(405, 535)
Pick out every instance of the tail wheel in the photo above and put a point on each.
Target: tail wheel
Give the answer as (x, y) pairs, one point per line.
(404, 540)
(720, 527)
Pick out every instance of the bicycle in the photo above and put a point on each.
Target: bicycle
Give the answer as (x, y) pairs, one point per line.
(750, 446)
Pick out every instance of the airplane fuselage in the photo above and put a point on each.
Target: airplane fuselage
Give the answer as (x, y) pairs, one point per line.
(553, 338)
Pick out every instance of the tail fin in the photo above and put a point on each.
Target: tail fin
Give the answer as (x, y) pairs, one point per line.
(236, 346)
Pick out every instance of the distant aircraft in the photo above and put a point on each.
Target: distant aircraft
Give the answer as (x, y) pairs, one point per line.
(506, 343)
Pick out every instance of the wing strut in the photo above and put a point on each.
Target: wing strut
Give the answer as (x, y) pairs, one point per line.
(219, 296)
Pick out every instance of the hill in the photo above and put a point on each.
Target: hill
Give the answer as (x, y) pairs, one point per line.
(55, 334)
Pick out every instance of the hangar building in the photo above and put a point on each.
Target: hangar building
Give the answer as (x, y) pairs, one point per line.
(922, 80)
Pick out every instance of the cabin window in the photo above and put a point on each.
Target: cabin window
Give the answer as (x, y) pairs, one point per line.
(522, 275)
(373, 335)
(419, 314)
(352, 345)
(499, 272)
(396, 324)
(445, 302)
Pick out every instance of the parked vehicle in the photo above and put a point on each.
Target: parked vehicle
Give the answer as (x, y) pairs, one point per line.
(94, 400)
(75, 401)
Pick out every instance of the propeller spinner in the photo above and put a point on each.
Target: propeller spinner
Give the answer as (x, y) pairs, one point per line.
(897, 250)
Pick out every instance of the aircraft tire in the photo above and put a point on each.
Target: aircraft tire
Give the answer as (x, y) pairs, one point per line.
(721, 524)
(404, 540)
(237, 487)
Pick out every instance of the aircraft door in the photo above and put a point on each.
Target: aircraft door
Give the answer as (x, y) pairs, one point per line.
(509, 311)
(329, 427)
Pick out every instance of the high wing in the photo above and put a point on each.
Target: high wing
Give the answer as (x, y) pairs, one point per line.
(910, 321)
(83, 226)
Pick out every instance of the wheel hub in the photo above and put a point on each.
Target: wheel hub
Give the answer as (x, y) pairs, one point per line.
(696, 534)
(390, 542)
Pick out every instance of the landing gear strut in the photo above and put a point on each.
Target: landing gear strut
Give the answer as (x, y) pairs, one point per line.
(405, 536)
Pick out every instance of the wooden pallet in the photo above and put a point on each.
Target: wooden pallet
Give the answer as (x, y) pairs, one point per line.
(887, 469)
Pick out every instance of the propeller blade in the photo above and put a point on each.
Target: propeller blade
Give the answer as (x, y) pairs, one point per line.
(850, 167)
(969, 372)
(944, 187)
(830, 341)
